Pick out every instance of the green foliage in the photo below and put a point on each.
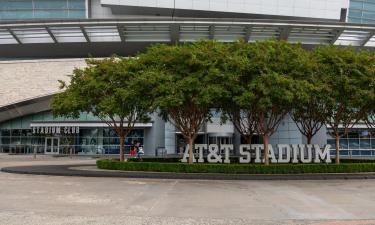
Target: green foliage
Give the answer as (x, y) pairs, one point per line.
(187, 83)
(237, 168)
(187, 79)
(347, 77)
(104, 88)
(108, 89)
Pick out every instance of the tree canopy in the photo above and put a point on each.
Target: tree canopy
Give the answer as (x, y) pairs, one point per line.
(107, 89)
(189, 83)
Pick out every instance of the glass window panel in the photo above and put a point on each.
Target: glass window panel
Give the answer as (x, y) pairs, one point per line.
(12, 4)
(356, 153)
(369, 15)
(365, 143)
(353, 143)
(354, 20)
(51, 14)
(355, 13)
(77, 4)
(353, 134)
(373, 143)
(80, 14)
(368, 21)
(332, 143)
(17, 15)
(369, 6)
(366, 153)
(343, 143)
(356, 5)
(48, 4)
(364, 134)
(346, 152)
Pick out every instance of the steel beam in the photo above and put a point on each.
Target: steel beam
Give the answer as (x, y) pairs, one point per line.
(14, 36)
(120, 30)
(51, 34)
(367, 39)
(284, 33)
(85, 34)
(248, 30)
(337, 36)
(211, 32)
(175, 33)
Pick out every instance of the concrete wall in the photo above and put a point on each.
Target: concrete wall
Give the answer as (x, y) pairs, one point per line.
(154, 136)
(328, 9)
(27, 79)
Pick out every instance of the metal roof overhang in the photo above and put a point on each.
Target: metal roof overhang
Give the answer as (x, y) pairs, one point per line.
(26, 107)
(125, 37)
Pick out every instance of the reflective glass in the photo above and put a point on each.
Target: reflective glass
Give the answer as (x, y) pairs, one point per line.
(48, 4)
(77, 14)
(365, 143)
(362, 11)
(369, 6)
(355, 13)
(42, 9)
(77, 4)
(356, 5)
(355, 153)
(16, 4)
(366, 153)
(353, 143)
(343, 143)
(40, 14)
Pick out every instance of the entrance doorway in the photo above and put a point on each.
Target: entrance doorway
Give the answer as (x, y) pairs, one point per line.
(52, 145)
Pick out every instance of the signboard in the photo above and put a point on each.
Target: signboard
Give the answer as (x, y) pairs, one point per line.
(300, 153)
(56, 130)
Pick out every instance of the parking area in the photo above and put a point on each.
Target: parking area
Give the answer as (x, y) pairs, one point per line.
(33, 199)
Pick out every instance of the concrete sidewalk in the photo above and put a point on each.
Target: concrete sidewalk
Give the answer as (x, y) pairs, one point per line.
(30, 199)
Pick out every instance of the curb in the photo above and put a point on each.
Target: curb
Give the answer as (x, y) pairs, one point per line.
(68, 170)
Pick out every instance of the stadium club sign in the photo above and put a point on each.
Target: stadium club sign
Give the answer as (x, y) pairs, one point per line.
(56, 130)
(252, 153)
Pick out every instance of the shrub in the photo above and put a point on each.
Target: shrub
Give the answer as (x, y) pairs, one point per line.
(237, 168)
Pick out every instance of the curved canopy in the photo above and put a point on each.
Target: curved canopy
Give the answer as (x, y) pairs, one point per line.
(143, 32)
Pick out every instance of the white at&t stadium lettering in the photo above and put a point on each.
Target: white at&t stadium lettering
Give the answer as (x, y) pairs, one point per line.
(56, 130)
(300, 153)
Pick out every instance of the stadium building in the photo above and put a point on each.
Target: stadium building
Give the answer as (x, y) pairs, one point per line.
(41, 41)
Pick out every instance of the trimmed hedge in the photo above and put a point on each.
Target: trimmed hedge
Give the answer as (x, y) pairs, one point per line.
(161, 160)
(232, 159)
(236, 168)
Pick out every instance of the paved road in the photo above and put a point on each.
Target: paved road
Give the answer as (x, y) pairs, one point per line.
(31, 199)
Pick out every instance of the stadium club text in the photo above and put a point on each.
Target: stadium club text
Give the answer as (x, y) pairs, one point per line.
(283, 153)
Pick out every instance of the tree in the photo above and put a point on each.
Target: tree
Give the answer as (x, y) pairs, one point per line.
(348, 87)
(187, 83)
(272, 95)
(263, 88)
(309, 112)
(106, 88)
(239, 76)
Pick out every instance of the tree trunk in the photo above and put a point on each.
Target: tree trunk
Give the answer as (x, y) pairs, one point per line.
(248, 139)
(190, 141)
(337, 149)
(266, 150)
(309, 137)
(122, 141)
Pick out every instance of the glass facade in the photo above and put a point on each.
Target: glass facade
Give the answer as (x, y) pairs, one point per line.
(89, 141)
(357, 143)
(16, 136)
(362, 11)
(42, 9)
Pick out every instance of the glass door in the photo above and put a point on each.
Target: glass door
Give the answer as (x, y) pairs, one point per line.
(52, 145)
